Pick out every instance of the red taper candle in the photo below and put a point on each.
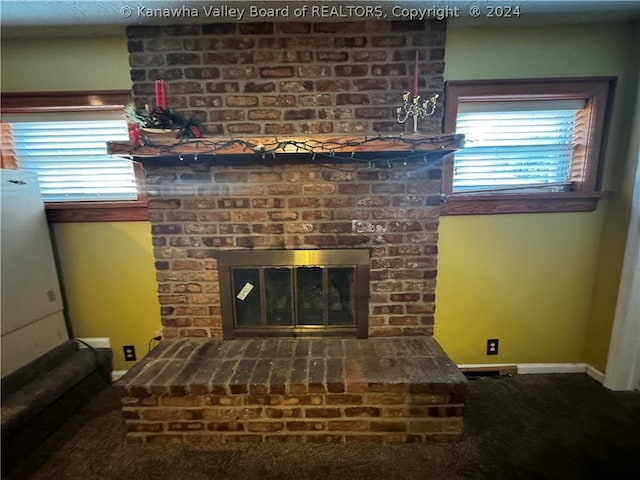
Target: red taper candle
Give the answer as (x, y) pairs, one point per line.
(163, 86)
(158, 93)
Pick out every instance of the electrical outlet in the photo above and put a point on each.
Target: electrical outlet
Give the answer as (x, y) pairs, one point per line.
(492, 346)
(129, 353)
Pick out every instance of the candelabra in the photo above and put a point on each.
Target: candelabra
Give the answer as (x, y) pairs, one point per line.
(411, 107)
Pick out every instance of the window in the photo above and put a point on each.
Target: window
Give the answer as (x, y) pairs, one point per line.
(70, 156)
(63, 137)
(531, 145)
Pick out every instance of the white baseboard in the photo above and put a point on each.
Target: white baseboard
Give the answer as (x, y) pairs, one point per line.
(116, 374)
(526, 368)
(488, 366)
(95, 342)
(532, 368)
(596, 374)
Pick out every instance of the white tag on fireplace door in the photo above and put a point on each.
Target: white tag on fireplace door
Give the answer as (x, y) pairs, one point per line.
(246, 290)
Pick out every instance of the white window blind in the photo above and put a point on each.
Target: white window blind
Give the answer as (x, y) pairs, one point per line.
(71, 159)
(515, 145)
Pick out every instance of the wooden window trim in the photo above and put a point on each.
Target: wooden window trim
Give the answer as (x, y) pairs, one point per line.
(598, 93)
(80, 101)
(69, 101)
(7, 152)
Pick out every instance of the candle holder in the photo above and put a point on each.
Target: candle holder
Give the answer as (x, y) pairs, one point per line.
(411, 107)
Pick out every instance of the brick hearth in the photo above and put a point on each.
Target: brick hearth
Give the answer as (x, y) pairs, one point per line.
(402, 389)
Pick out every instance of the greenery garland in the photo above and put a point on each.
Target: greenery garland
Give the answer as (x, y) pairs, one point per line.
(164, 119)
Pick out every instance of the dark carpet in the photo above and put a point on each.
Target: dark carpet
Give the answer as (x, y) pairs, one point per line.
(564, 426)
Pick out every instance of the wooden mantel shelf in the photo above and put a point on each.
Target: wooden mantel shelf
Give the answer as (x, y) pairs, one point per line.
(343, 147)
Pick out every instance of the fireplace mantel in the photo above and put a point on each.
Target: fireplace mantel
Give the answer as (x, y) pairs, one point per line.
(336, 147)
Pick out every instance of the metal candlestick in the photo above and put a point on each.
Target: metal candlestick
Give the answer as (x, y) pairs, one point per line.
(411, 107)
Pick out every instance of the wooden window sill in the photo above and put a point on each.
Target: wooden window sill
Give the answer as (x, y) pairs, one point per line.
(75, 212)
(492, 204)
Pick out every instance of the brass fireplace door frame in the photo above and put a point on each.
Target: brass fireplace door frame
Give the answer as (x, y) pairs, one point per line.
(354, 258)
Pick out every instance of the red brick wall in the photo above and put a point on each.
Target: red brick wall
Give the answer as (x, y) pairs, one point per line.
(390, 415)
(293, 78)
(197, 209)
(290, 78)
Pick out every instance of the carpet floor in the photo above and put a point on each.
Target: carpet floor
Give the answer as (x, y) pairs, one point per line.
(564, 426)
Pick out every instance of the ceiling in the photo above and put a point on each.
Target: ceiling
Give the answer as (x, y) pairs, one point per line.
(66, 17)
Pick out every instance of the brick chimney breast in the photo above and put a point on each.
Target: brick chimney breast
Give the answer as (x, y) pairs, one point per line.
(290, 78)
(293, 79)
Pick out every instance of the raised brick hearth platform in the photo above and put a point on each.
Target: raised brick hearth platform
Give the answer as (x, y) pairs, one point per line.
(400, 389)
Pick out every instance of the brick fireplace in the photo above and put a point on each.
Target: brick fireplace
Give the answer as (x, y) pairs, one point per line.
(305, 80)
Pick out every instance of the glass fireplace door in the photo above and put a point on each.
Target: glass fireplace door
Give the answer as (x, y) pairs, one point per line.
(278, 297)
(266, 293)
